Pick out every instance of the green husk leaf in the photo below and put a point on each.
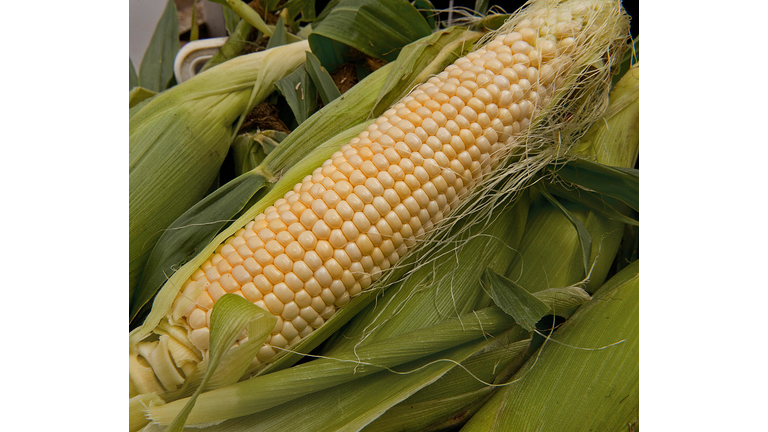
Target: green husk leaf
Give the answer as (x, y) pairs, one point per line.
(351, 406)
(619, 183)
(550, 254)
(563, 301)
(279, 36)
(322, 79)
(156, 70)
(305, 9)
(138, 95)
(614, 141)
(267, 391)
(194, 32)
(376, 28)
(231, 314)
(585, 240)
(492, 21)
(458, 393)
(234, 45)
(249, 150)
(481, 6)
(192, 231)
(601, 204)
(594, 360)
(180, 138)
(247, 14)
(515, 301)
(133, 80)
(427, 10)
(231, 20)
(300, 93)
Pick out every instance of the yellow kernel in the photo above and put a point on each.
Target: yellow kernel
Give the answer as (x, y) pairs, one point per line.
(374, 187)
(293, 282)
(251, 293)
(449, 110)
(321, 230)
(332, 219)
(364, 194)
(273, 274)
(323, 277)
(283, 293)
(324, 250)
(302, 300)
(302, 270)
(364, 244)
(241, 275)
(274, 305)
(337, 239)
(312, 287)
(385, 179)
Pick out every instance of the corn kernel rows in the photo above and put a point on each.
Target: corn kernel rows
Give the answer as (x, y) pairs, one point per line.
(336, 231)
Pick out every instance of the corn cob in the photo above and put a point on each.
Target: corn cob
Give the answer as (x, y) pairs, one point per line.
(373, 200)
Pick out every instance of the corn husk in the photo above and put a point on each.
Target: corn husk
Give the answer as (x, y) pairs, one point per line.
(585, 378)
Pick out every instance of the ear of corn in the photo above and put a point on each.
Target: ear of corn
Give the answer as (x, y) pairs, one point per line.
(397, 183)
(179, 139)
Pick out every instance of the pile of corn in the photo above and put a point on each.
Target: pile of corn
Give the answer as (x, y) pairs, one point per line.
(414, 255)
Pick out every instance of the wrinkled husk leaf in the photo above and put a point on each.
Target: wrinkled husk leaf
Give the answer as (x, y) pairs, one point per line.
(585, 378)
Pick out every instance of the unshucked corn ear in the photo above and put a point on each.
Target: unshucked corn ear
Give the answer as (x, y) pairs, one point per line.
(543, 75)
(179, 139)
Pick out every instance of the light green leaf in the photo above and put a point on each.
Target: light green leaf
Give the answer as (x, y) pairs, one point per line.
(278, 37)
(460, 392)
(249, 150)
(233, 46)
(515, 301)
(300, 93)
(563, 301)
(322, 79)
(585, 239)
(231, 20)
(156, 69)
(138, 95)
(481, 6)
(616, 182)
(375, 27)
(602, 204)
